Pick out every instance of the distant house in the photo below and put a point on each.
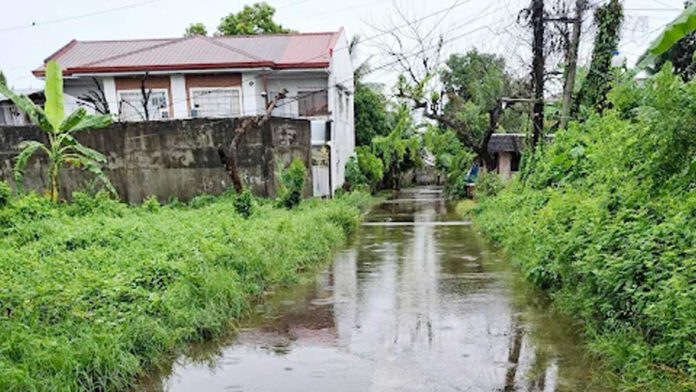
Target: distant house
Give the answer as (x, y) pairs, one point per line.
(507, 149)
(219, 77)
(10, 115)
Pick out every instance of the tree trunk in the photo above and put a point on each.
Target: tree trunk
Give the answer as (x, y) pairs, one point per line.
(572, 62)
(231, 164)
(538, 70)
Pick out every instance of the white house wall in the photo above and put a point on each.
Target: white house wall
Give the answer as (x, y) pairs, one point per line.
(341, 88)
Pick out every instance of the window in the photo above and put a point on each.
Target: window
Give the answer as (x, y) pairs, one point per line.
(131, 105)
(215, 102)
(312, 103)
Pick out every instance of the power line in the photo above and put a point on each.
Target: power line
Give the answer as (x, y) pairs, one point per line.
(76, 17)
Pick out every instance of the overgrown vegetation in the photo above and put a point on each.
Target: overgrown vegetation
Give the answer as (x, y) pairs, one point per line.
(96, 293)
(381, 164)
(292, 181)
(606, 221)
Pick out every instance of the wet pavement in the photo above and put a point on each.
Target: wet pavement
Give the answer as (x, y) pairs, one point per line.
(417, 302)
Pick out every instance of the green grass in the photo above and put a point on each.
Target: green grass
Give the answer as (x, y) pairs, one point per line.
(95, 294)
(606, 222)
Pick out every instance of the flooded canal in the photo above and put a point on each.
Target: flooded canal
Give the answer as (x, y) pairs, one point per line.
(417, 302)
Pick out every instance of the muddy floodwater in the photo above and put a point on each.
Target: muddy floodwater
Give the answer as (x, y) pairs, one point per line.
(417, 301)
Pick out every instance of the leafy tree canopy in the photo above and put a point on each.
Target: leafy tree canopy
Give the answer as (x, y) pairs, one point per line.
(3, 80)
(253, 19)
(370, 114)
(195, 29)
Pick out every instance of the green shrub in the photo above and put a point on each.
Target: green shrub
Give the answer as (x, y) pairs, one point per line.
(151, 204)
(606, 221)
(101, 202)
(364, 170)
(244, 204)
(5, 194)
(488, 184)
(292, 182)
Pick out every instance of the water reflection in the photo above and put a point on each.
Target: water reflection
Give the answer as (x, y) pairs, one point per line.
(419, 307)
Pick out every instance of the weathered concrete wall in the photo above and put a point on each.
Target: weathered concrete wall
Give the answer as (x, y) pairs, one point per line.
(166, 159)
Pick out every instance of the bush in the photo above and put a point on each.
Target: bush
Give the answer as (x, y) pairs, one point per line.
(5, 194)
(244, 204)
(151, 204)
(292, 182)
(364, 169)
(606, 221)
(84, 204)
(487, 184)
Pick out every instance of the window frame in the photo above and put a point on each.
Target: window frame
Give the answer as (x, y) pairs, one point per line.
(158, 90)
(221, 88)
(310, 92)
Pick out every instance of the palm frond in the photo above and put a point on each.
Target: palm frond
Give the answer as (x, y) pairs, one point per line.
(55, 102)
(682, 26)
(92, 122)
(95, 168)
(89, 153)
(73, 119)
(28, 148)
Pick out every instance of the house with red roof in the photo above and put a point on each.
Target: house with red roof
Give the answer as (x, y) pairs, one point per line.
(219, 77)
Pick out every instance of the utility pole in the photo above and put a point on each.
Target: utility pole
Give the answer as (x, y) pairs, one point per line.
(572, 62)
(538, 71)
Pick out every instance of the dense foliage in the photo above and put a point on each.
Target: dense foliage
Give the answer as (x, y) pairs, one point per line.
(451, 160)
(381, 164)
(95, 293)
(606, 221)
(593, 93)
(370, 114)
(253, 19)
(195, 29)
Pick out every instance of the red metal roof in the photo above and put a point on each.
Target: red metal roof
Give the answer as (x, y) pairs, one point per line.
(302, 50)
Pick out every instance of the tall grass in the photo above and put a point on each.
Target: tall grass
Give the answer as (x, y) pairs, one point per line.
(96, 293)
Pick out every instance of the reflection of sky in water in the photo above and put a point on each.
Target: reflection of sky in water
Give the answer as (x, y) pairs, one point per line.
(418, 307)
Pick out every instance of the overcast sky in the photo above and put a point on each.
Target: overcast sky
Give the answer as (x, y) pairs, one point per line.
(32, 30)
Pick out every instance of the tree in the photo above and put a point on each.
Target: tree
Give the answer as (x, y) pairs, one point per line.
(195, 29)
(254, 19)
(245, 125)
(370, 105)
(474, 85)
(572, 62)
(61, 147)
(597, 84)
(370, 114)
(96, 98)
(3, 80)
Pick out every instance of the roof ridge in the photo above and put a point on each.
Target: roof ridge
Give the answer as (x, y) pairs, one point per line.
(275, 34)
(243, 52)
(169, 42)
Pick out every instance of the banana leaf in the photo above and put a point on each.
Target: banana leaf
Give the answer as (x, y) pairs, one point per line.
(682, 26)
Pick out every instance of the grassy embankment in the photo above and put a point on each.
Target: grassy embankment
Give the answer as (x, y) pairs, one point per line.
(96, 293)
(606, 222)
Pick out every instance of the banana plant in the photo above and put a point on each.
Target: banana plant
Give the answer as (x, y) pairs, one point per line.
(680, 27)
(60, 146)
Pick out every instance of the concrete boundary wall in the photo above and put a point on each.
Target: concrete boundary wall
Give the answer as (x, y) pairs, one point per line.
(171, 159)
